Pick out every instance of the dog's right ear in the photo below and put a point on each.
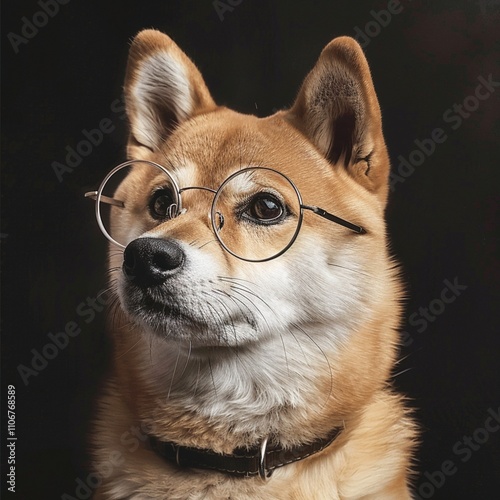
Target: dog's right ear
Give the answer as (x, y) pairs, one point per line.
(163, 88)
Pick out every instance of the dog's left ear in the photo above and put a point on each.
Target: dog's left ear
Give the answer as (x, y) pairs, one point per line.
(338, 110)
(163, 88)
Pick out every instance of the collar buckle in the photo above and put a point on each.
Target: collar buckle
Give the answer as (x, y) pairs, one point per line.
(263, 473)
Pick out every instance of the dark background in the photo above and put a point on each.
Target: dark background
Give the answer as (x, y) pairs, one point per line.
(442, 218)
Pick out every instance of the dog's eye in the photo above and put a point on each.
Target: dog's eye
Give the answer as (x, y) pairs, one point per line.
(162, 204)
(265, 208)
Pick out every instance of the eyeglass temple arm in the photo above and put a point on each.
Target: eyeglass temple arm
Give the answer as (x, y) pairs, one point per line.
(334, 218)
(105, 199)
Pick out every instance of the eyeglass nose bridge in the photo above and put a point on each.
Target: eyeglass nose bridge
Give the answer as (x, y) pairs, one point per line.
(202, 188)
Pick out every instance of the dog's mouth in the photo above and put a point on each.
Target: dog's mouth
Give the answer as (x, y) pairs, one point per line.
(160, 312)
(207, 323)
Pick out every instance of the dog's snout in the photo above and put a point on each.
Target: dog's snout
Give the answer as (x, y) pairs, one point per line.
(150, 261)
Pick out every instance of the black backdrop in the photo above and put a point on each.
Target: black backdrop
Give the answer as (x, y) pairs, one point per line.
(61, 76)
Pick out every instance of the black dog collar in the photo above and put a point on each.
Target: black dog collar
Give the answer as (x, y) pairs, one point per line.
(261, 461)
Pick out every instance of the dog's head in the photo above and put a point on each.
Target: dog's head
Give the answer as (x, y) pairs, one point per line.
(332, 295)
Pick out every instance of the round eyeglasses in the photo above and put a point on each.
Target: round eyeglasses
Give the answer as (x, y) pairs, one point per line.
(256, 213)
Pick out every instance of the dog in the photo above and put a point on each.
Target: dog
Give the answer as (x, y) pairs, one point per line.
(255, 329)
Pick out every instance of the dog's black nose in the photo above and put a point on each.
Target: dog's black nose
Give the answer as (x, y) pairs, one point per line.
(150, 261)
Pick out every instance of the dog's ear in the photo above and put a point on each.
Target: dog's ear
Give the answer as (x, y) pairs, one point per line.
(338, 110)
(163, 88)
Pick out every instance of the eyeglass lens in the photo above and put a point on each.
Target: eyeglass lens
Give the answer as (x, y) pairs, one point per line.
(260, 210)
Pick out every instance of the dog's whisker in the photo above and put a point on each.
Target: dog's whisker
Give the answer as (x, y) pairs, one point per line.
(304, 355)
(232, 279)
(212, 376)
(188, 357)
(285, 354)
(357, 271)
(401, 372)
(108, 289)
(114, 309)
(174, 371)
(330, 392)
(129, 349)
(400, 360)
(203, 245)
(197, 378)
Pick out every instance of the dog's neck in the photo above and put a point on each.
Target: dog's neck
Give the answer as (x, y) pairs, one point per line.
(222, 399)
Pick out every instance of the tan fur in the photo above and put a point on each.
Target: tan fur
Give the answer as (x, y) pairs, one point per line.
(338, 294)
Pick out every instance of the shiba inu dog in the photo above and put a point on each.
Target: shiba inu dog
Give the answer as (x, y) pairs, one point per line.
(256, 321)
